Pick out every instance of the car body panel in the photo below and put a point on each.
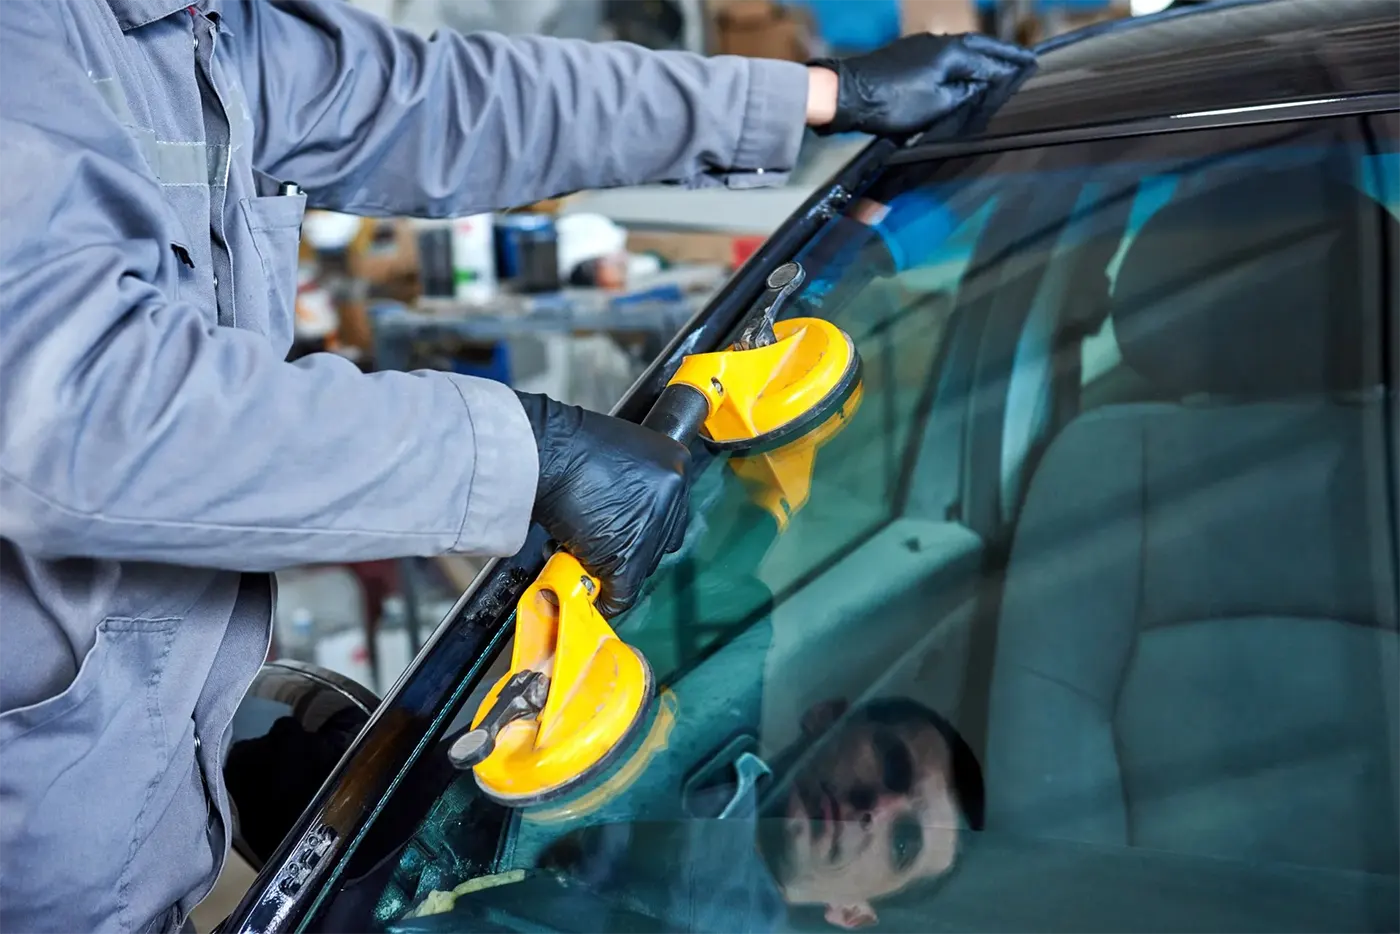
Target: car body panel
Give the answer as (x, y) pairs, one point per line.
(1237, 55)
(298, 715)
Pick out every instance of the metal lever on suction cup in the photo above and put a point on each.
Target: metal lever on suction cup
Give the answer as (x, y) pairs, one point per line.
(523, 696)
(681, 410)
(782, 283)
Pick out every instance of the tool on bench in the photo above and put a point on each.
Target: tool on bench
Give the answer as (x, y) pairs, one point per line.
(576, 694)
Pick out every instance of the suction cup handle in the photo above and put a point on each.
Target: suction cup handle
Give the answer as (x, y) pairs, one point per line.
(522, 696)
(782, 283)
(679, 412)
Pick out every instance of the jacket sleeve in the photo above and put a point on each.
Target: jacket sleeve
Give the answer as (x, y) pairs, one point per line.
(134, 428)
(374, 120)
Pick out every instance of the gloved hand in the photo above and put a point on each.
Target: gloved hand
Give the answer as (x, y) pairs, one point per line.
(611, 493)
(917, 81)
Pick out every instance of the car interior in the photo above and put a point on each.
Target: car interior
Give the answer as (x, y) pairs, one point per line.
(1120, 503)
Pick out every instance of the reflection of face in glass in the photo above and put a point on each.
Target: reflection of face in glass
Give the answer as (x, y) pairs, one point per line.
(875, 808)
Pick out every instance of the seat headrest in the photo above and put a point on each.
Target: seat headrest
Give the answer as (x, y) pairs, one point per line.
(1256, 285)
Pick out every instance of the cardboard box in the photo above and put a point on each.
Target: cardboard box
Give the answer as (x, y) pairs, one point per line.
(385, 255)
(355, 329)
(729, 250)
(384, 249)
(762, 29)
(943, 17)
(705, 248)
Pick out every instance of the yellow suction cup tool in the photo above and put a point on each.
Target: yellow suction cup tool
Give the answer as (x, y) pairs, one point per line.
(575, 693)
(573, 696)
(768, 395)
(780, 479)
(779, 380)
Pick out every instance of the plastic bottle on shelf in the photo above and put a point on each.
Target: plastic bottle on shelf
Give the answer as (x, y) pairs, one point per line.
(474, 258)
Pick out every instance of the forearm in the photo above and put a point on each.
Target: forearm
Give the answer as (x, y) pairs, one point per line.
(375, 120)
(191, 445)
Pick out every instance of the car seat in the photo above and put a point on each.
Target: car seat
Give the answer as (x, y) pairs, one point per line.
(1197, 649)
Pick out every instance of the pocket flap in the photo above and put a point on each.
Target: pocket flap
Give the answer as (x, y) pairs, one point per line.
(275, 212)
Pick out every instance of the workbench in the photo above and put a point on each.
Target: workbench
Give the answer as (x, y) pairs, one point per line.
(653, 313)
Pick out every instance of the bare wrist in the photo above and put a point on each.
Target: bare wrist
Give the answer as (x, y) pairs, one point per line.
(822, 87)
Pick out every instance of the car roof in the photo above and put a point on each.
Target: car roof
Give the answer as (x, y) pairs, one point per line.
(1211, 57)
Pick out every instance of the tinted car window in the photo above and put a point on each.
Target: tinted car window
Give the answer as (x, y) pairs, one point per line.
(1089, 620)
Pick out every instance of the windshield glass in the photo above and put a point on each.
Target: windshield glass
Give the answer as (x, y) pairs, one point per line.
(834, 682)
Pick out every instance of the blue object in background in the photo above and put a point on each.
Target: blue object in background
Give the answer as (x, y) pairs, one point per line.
(917, 224)
(911, 228)
(496, 367)
(661, 293)
(854, 25)
(861, 25)
(527, 252)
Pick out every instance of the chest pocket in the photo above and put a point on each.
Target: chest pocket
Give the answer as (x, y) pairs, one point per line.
(274, 227)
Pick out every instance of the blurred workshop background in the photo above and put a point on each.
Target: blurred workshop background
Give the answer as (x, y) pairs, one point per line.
(574, 296)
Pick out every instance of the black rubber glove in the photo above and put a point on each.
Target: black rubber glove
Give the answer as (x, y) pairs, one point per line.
(611, 493)
(919, 80)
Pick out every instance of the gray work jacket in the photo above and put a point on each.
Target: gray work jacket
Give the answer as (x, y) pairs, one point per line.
(158, 456)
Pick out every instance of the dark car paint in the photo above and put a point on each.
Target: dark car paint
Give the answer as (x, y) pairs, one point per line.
(1204, 58)
(1229, 55)
(284, 745)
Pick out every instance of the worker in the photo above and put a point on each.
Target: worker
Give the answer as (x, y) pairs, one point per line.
(159, 456)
